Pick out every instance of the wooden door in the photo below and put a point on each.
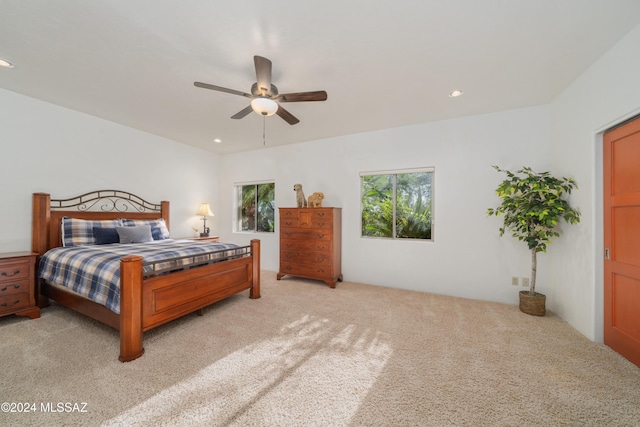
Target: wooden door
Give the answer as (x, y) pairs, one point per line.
(622, 240)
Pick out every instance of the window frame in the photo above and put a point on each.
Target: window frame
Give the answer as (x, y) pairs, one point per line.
(237, 206)
(395, 172)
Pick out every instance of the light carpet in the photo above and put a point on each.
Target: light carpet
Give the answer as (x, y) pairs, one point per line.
(308, 355)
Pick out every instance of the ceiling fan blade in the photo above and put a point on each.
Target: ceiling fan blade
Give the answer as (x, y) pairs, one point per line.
(319, 95)
(287, 116)
(222, 89)
(263, 74)
(242, 113)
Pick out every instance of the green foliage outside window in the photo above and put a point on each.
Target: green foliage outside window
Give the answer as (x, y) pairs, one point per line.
(257, 207)
(397, 205)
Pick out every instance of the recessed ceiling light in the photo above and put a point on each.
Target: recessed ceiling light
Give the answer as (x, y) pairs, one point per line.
(5, 63)
(455, 93)
(217, 140)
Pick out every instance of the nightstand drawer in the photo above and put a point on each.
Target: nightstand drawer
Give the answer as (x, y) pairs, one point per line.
(14, 271)
(14, 288)
(11, 303)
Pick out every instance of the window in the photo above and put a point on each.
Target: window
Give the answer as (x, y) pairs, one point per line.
(397, 204)
(256, 207)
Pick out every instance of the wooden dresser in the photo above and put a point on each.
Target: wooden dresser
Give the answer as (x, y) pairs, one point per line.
(17, 284)
(310, 243)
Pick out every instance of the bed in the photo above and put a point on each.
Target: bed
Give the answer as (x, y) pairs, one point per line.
(152, 291)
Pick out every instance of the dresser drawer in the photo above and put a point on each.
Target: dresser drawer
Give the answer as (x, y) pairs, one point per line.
(286, 213)
(14, 271)
(314, 223)
(14, 288)
(10, 303)
(292, 245)
(312, 258)
(312, 271)
(305, 234)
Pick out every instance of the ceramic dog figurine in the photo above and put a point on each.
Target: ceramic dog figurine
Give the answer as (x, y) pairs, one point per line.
(300, 199)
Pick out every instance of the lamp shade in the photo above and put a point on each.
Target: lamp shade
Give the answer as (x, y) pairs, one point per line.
(264, 106)
(204, 210)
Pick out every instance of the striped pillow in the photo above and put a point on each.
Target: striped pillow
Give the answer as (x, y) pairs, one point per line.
(79, 232)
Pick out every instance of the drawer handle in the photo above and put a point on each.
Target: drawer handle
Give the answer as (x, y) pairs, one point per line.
(4, 304)
(320, 247)
(321, 224)
(320, 259)
(7, 287)
(321, 235)
(4, 273)
(320, 270)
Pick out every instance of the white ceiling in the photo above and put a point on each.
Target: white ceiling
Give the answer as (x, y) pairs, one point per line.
(384, 63)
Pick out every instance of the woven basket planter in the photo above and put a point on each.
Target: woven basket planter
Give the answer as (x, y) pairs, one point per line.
(532, 304)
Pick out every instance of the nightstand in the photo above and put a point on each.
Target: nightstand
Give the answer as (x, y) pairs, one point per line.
(17, 284)
(204, 239)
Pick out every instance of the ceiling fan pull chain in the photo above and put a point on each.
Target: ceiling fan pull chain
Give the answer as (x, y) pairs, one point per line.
(264, 126)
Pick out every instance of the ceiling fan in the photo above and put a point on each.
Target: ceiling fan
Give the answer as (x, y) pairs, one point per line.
(265, 99)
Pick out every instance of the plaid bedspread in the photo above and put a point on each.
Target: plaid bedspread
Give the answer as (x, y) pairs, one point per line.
(94, 271)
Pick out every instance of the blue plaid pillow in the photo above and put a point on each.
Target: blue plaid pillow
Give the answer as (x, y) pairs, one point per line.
(159, 229)
(79, 232)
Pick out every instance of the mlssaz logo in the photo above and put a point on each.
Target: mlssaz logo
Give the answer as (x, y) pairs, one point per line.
(63, 407)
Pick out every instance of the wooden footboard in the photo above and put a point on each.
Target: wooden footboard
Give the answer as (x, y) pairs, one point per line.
(147, 303)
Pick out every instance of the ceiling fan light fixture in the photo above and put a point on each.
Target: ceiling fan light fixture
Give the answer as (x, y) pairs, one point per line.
(264, 106)
(6, 64)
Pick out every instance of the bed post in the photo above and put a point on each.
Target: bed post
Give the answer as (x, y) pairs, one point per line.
(40, 223)
(130, 308)
(164, 212)
(41, 217)
(255, 252)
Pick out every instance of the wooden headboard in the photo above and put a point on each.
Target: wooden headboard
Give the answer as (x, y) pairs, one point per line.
(97, 205)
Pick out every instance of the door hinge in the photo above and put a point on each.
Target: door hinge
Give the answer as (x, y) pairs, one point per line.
(606, 253)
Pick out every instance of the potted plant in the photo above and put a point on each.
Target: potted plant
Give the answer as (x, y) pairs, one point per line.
(532, 205)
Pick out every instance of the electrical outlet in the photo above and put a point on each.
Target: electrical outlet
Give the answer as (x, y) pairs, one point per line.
(514, 281)
(525, 282)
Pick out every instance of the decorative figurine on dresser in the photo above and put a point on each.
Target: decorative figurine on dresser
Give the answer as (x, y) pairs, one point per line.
(310, 243)
(301, 201)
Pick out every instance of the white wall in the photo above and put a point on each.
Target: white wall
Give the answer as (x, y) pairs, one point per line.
(46, 148)
(606, 94)
(467, 258)
(63, 152)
